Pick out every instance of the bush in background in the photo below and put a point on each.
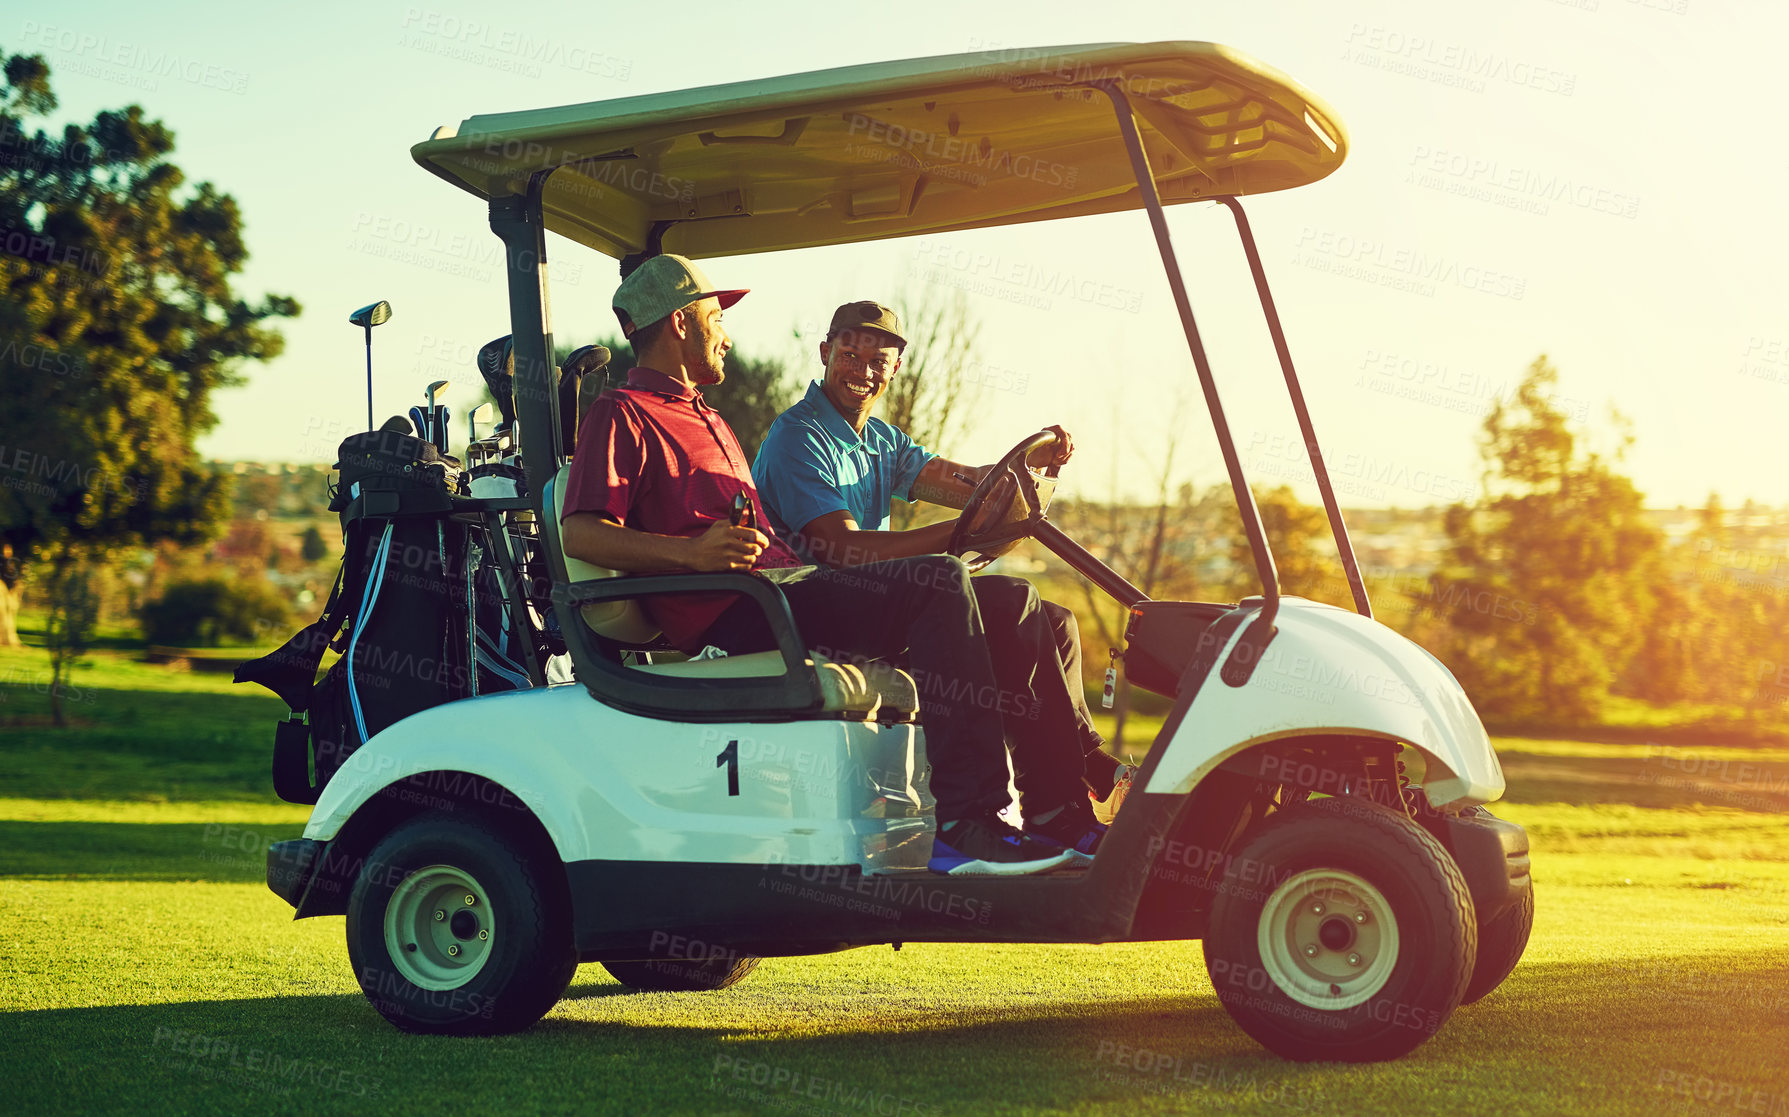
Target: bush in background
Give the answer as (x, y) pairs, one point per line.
(210, 611)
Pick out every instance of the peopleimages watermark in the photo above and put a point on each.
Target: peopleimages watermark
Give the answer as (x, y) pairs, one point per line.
(29, 471)
(946, 154)
(1021, 282)
(1766, 358)
(1398, 267)
(886, 897)
(1353, 471)
(1512, 186)
(445, 251)
(1721, 1094)
(802, 1092)
(133, 64)
(1446, 386)
(507, 49)
(1744, 784)
(1160, 1072)
(1450, 64)
(218, 1058)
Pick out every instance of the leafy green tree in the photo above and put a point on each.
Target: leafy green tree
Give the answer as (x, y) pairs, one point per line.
(117, 323)
(755, 391)
(313, 548)
(1721, 635)
(1298, 533)
(1548, 582)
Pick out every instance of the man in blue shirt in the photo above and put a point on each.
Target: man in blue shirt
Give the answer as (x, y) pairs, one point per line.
(826, 473)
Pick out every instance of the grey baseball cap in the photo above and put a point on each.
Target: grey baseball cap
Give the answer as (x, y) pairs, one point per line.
(664, 283)
(866, 315)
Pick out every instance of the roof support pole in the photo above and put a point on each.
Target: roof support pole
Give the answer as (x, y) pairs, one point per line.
(1338, 528)
(516, 219)
(1254, 640)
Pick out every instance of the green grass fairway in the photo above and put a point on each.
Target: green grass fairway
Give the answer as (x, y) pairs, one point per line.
(147, 969)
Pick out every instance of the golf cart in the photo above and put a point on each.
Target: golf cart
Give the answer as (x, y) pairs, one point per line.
(1313, 808)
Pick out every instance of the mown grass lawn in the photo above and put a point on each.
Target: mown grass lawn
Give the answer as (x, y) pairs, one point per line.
(144, 966)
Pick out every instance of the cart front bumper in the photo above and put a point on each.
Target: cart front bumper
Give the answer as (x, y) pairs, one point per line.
(290, 866)
(1492, 854)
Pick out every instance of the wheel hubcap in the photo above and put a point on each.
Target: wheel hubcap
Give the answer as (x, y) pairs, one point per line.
(1328, 939)
(439, 927)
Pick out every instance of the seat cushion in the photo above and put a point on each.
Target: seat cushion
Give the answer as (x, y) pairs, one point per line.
(622, 621)
(879, 691)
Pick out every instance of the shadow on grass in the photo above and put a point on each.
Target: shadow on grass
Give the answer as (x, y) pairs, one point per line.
(152, 851)
(1645, 781)
(1592, 1038)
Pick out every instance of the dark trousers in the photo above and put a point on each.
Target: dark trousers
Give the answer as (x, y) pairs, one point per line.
(923, 611)
(992, 662)
(1036, 648)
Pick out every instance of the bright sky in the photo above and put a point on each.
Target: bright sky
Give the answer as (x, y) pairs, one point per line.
(1598, 180)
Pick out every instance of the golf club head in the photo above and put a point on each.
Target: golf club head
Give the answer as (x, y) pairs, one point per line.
(479, 414)
(497, 364)
(434, 387)
(373, 314)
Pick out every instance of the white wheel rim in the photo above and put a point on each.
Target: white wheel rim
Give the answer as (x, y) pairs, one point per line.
(439, 928)
(1328, 939)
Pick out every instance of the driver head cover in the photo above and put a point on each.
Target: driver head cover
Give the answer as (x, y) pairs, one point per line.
(661, 285)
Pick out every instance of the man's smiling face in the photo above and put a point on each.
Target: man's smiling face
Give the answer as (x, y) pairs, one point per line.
(859, 365)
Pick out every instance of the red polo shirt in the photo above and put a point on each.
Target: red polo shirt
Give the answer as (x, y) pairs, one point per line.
(653, 456)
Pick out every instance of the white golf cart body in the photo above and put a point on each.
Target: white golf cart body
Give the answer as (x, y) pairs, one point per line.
(772, 802)
(609, 785)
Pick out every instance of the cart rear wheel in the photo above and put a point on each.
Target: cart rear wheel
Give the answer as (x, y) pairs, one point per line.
(456, 927)
(1342, 931)
(679, 975)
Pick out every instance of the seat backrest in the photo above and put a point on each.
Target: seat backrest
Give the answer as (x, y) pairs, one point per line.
(622, 621)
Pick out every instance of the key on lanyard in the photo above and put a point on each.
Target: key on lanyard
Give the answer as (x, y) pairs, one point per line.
(1108, 696)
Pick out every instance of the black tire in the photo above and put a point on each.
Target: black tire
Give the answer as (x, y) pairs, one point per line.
(513, 946)
(1327, 876)
(1501, 941)
(681, 975)
(1502, 938)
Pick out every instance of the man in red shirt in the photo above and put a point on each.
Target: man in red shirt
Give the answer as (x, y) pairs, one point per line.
(654, 479)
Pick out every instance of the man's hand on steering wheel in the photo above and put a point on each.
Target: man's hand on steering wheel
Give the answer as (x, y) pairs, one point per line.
(1056, 453)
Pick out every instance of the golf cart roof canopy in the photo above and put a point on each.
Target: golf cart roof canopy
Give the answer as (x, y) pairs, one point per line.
(893, 149)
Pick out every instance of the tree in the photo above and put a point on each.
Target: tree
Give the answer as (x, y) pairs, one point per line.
(118, 322)
(755, 391)
(936, 391)
(1168, 539)
(68, 631)
(1549, 579)
(1296, 533)
(313, 548)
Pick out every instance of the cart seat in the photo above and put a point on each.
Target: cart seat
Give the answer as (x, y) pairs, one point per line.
(877, 690)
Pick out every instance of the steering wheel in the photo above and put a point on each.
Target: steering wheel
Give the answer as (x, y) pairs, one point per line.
(979, 544)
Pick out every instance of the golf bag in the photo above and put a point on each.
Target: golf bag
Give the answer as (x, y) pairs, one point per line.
(417, 615)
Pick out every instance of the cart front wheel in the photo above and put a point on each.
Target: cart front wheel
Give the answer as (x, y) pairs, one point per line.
(1341, 931)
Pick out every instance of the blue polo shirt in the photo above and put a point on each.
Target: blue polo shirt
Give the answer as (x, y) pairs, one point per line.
(812, 463)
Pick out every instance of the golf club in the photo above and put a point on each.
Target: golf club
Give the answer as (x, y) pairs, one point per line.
(373, 314)
(497, 364)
